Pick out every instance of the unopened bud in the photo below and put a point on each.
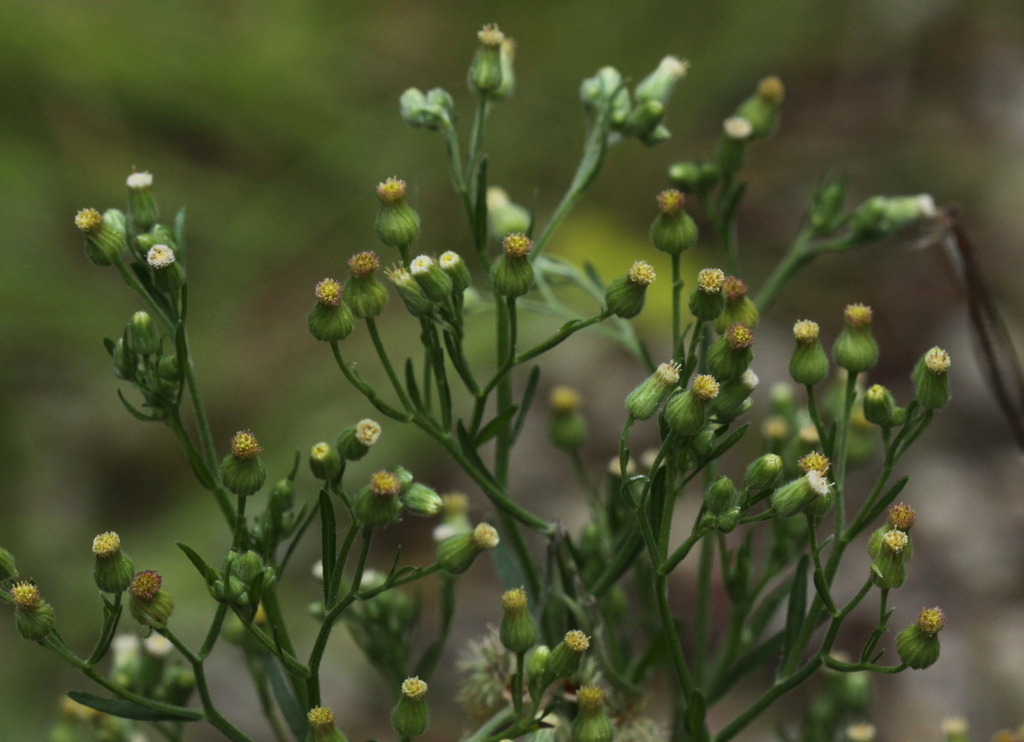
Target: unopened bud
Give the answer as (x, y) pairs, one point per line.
(930, 377)
(242, 470)
(707, 300)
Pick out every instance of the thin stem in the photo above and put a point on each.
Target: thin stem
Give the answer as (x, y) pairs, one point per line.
(378, 344)
(839, 463)
(672, 637)
(702, 626)
(798, 255)
(677, 311)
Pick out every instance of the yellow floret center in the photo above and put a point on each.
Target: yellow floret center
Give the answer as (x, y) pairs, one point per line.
(385, 484)
(937, 361)
(564, 399)
(576, 641)
(858, 315)
(739, 336)
(244, 446)
(642, 273)
(902, 516)
(514, 601)
(490, 35)
(485, 536)
(26, 595)
(805, 331)
(896, 541)
(931, 620)
(771, 90)
(320, 717)
(414, 688)
(368, 431)
(670, 201)
(517, 245)
(364, 263)
(814, 461)
(106, 544)
(328, 292)
(710, 280)
(88, 220)
(734, 288)
(705, 387)
(391, 191)
(590, 698)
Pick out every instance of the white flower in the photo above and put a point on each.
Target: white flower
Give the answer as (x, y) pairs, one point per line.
(160, 256)
(138, 181)
(737, 127)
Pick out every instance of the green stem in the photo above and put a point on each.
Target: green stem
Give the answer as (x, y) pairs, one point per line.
(367, 391)
(378, 344)
(839, 462)
(240, 529)
(798, 255)
(702, 626)
(677, 309)
(672, 637)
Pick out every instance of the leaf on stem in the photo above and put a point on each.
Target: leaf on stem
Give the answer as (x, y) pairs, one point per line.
(207, 572)
(126, 709)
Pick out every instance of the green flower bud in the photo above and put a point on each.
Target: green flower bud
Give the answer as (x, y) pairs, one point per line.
(518, 630)
(685, 412)
(791, 498)
(436, 284)
(242, 470)
(808, 364)
(431, 111)
(685, 176)
(282, 497)
(410, 292)
(507, 56)
(732, 147)
(644, 119)
(355, 440)
(405, 477)
(397, 223)
(625, 295)
(126, 363)
(114, 570)
(141, 203)
(730, 355)
(168, 275)
(485, 71)
(364, 294)
(707, 301)
(645, 400)
(720, 496)
(763, 473)
(825, 213)
(918, 644)
(704, 443)
(454, 521)
(887, 566)
(673, 231)
(321, 724)
(855, 349)
(567, 427)
(512, 272)
(378, 504)
(879, 406)
(421, 500)
(762, 109)
(324, 461)
(727, 521)
(503, 216)
(7, 569)
(456, 269)
(537, 663)
(142, 334)
(931, 383)
(734, 397)
(739, 310)
(330, 320)
(456, 554)
(104, 235)
(167, 368)
(592, 723)
(33, 615)
(658, 85)
(148, 602)
(565, 658)
(411, 716)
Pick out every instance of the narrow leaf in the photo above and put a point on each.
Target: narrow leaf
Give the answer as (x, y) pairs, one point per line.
(411, 385)
(795, 611)
(524, 406)
(695, 710)
(480, 217)
(729, 442)
(126, 709)
(592, 274)
(466, 442)
(495, 426)
(886, 500)
(109, 345)
(208, 573)
(137, 414)
(290, 709)
(179, 237)
(329, 536)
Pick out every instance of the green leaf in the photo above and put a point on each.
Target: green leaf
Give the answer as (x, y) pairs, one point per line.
(126, 709)
(138, 414)
(884, 501)
(795, 612)
(207, 572)
(480, 216)
(694, 720)
(524, 406)
(109, 345)
(294, 717)
(425, 667)
(179, 236)
(729, 442)
(329, 536)
(411, 385)
(491, 429)
(592, 274)
(466, 442)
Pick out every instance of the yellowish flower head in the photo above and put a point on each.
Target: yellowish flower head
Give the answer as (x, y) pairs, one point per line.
(590, 698)
(937, 360)
(705, 387)
(710, 280)
(26, 595)
(564, 399)
(895, 541)
(385, 484)
(106, 545)
(576, 641)
(642, 273)
(670, 201)
(414, 688)
(364, 263)
(814, 461)
(771, 90)
(328, 292)
(805, 331)
(391, 191)
(485, 536)
(160, 256)
(517, 245)
(244, 446)
(930, 620)
(367, 431)
(88, 220)
(858, 315)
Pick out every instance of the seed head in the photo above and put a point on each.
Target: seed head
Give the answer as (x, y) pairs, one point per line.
(367, 431)
(244, 445)
(805, 331)
(642, 273)
(818, 483)
(577, 641)
(937, 360)
(490, 35)
(564, 399)
(895, 541)
(750, 380)
(668, 373)
(399, 276)
(385, 484)
(320, 717)
(328, 292)
(391, 191)
(930, 620)
(414, 688)
(590, 698)
(138, 181)
(106, 544)
(485, 536)
(146, 584)
(517, 245)
(160, 256)
(363, 263)
(705, 387)
(858, 315)
(739, 336)
(670, 201)
(710, 280)
(88, 220)
(902, 516)
(771, 90)
(814, 461)
(26, 595)
(737, 127)
(734, 288)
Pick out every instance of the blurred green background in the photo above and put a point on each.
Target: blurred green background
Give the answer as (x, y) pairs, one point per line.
(272, 122)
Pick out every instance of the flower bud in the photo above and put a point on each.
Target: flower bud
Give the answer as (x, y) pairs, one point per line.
(7, 569)
(732, 147)
(355, 440)
(421, 500)
(456, 269)
(808, 364)
(707, 301)
(879, 406)
(114, 570)
(512, 272)
(321, 723)
(436, 284)
(764, 473)
(104, 235)
(518, 630)
(918, 644)
(142, 334)
(397, 223)
(537, 663)
(567, 427)
(931, 383)
(168, 275)
(791, 498)
(739, 309)
(658, 85)
(148, 602)
(456, 554)
(673, 230)
(242, 470)
(855, 349)
(141, 203)
(887, 566)
(324, 461)
(454, 507)
(507, 56)
(503, 216)
(330, 320)
(685, 412)
(592, 723)
(762, 109)
(645, 400)
(734, 397)
(377, 504)
(625, 295)
(364, 294)
(485, 72)
(410, 292)
(126, 362)
(720, 496)
(565, 658)
(431, 111)
(825, 213)
(33, 615)
(730, 355)
(411, 716)
(685, 176)
(644, 120)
